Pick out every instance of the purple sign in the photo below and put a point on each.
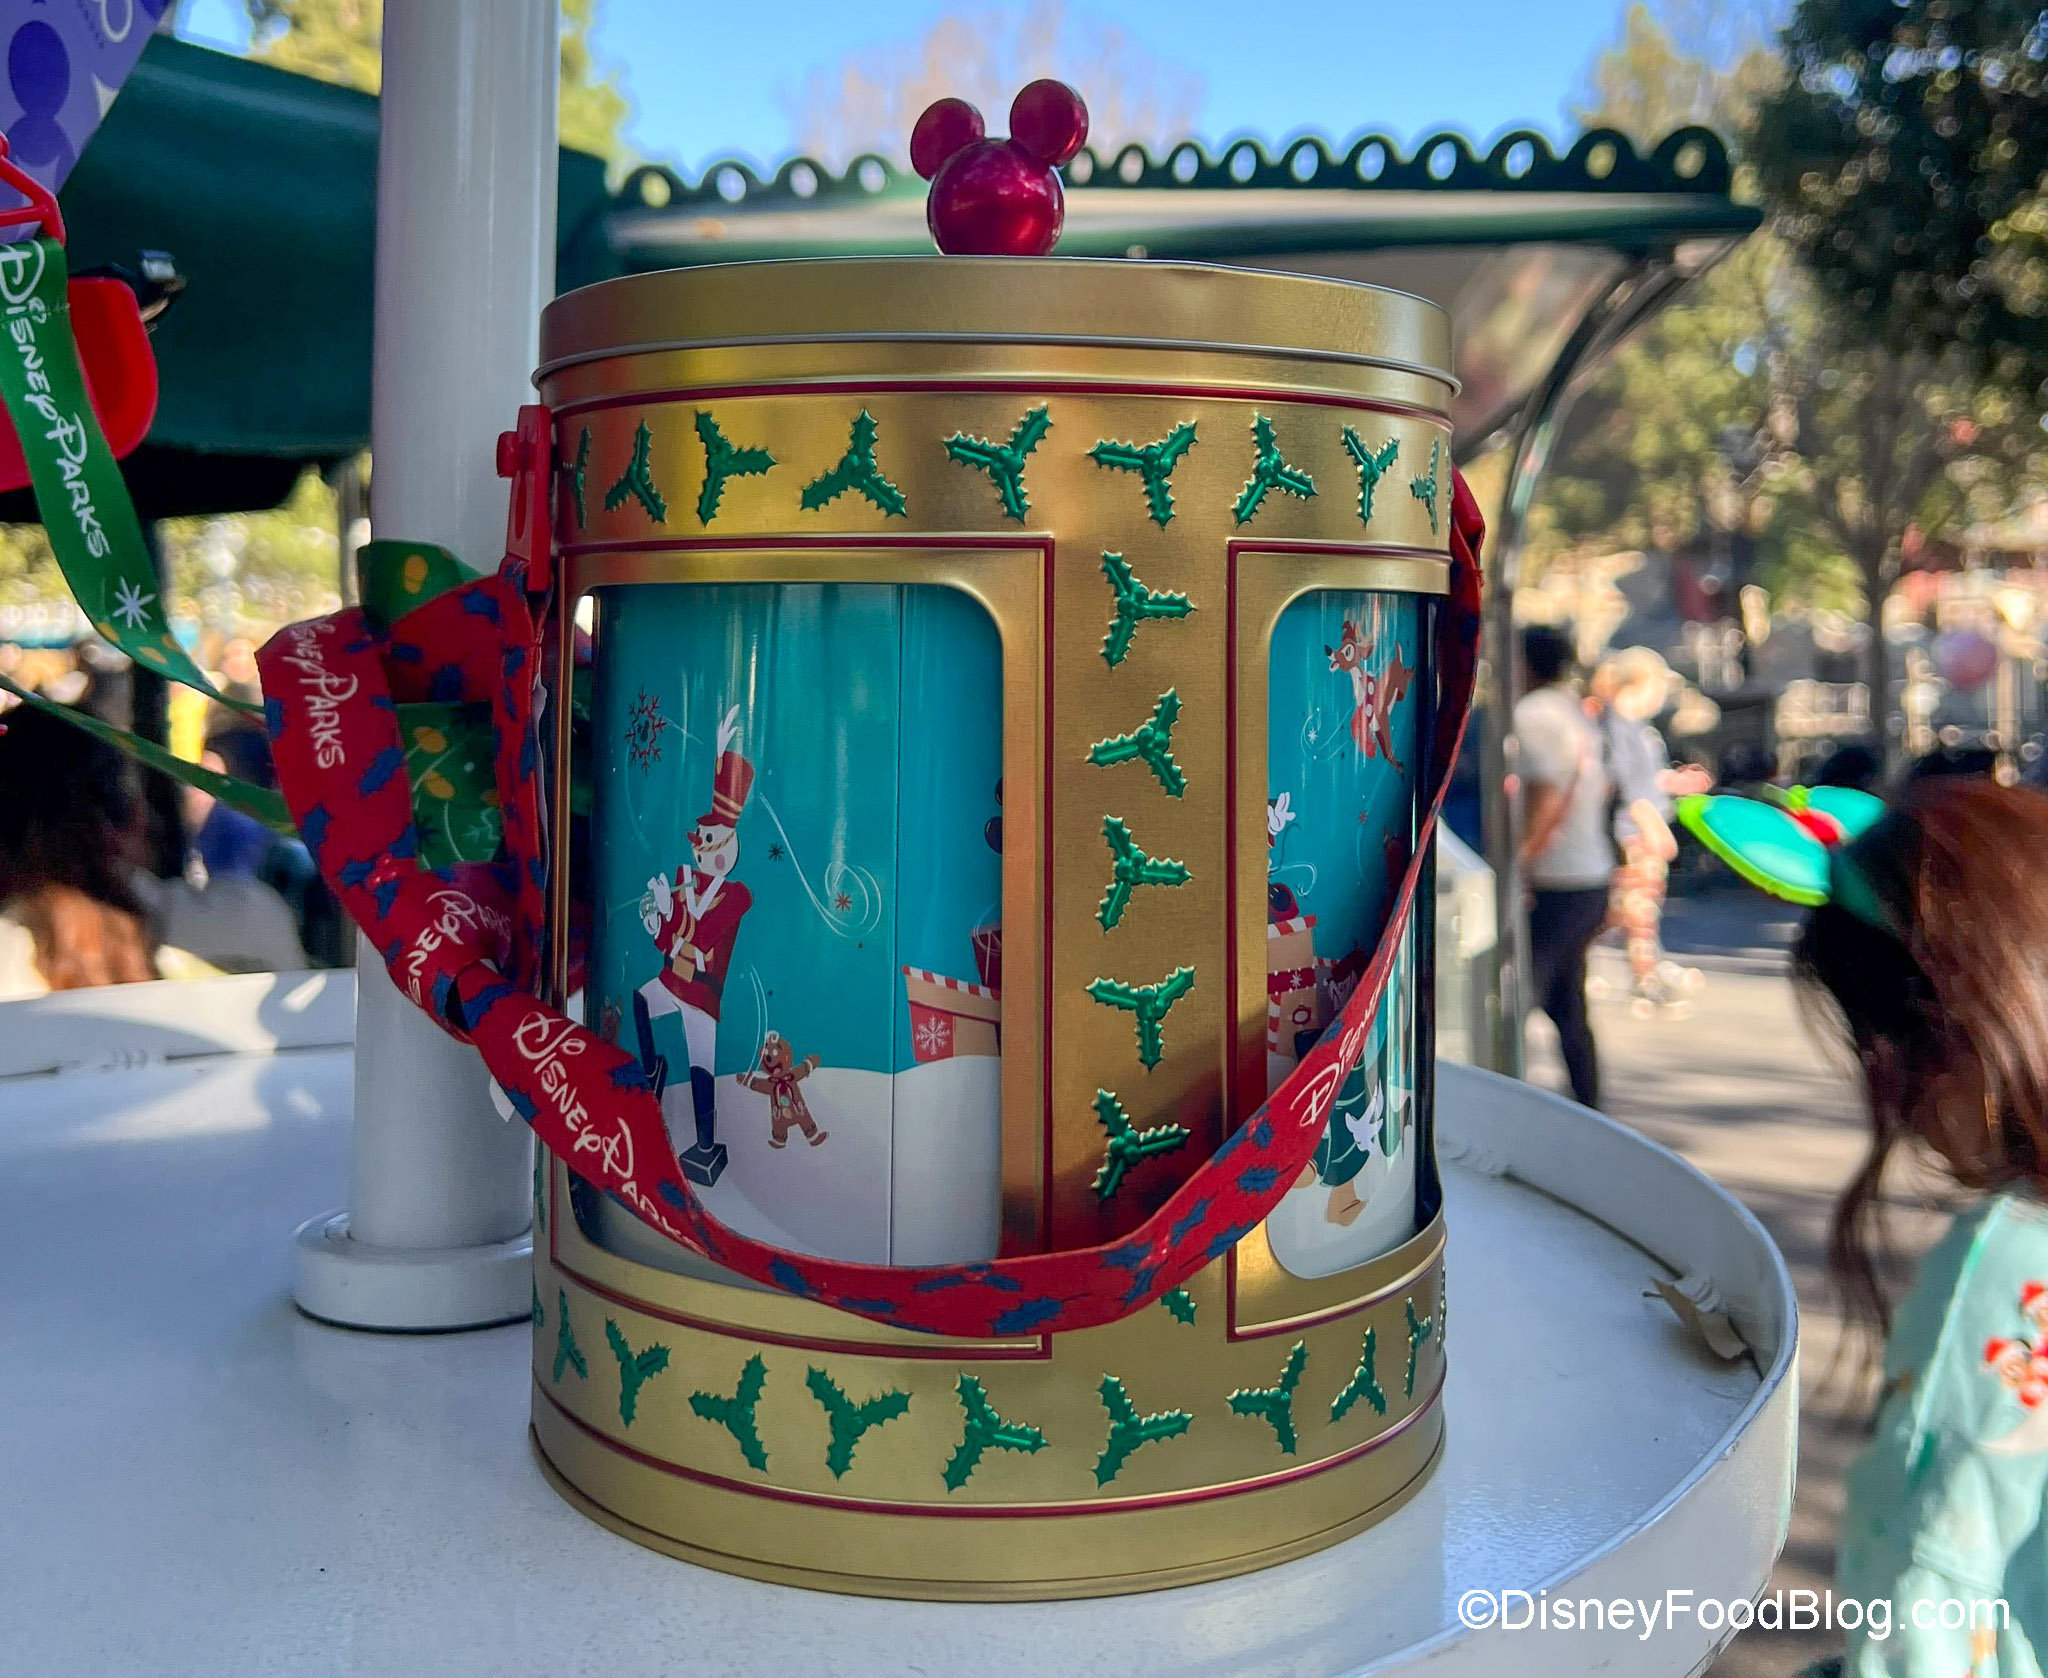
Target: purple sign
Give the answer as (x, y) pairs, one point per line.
(66, 59)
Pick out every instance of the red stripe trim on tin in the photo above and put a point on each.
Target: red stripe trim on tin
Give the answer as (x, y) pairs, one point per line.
(1060, 386)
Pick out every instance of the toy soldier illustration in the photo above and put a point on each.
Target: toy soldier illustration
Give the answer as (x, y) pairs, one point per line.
(693, 922)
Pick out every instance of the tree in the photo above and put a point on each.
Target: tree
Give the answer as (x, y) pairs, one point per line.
(330, 40)
(1759, 407)
(869, 100)
(1651, 81)
(339, 41)
(1683, 438)
(245, 571)
(1906, 154)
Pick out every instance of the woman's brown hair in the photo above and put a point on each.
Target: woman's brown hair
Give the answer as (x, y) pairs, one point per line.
(1940, 985)
(71, 824)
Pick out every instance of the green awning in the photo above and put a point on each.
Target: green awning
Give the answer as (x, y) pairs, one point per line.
(1520, 244)
(261, 186)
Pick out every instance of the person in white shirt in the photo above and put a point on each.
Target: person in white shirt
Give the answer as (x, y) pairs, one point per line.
(1567, 853)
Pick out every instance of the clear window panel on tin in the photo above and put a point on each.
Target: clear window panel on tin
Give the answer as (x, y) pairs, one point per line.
(1345, 730)
(795, 883)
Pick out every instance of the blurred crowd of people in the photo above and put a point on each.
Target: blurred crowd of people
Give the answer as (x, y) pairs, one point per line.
(106, 879)
(1599, 788)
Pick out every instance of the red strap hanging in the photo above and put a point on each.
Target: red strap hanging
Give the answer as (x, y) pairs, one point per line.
(451, 945)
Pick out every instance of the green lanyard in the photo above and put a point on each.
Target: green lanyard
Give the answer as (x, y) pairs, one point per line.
(99, 545)
(91, 522)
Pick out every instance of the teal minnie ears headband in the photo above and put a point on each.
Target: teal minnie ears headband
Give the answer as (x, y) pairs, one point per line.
(1796, 844)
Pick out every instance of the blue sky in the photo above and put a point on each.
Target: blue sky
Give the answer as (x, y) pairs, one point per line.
(710, 81)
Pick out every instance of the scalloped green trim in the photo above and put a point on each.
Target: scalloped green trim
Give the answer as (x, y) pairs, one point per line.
(1520, 161)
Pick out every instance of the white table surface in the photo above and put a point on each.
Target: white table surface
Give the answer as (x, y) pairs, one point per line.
(201, 1481)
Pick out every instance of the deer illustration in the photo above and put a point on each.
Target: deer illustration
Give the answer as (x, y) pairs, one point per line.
(1376, 694)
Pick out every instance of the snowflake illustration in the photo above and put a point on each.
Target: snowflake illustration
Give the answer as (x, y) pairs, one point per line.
(643, 730)
(131, 604)
(843, 903)
(934, 1036)
(776, 852)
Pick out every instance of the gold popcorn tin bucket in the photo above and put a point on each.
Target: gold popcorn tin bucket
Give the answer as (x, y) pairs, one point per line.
(976, 643)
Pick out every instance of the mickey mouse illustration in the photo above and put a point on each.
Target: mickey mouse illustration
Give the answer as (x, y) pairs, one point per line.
(778, 1079)
(694, 922)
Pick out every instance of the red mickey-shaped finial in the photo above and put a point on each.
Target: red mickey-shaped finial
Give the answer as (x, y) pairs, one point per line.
(947, 126)
(1049, 121)
(998, 197)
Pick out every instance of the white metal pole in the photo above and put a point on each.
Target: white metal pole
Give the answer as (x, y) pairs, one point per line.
(437, 1232)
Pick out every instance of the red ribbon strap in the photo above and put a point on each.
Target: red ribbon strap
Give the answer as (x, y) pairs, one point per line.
(464, 944)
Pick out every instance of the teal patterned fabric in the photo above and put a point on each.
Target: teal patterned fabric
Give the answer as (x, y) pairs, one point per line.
(1947, 1503)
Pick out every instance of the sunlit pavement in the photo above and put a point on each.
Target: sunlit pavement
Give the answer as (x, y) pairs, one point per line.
(1739, 1085)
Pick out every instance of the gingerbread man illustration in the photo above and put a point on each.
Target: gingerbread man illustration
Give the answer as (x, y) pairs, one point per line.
(777, 1079)
(694, 922)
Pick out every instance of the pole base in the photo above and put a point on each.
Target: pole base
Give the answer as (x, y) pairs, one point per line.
(342, 1281)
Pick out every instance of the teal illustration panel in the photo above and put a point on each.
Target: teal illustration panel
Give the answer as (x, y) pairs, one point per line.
(1347, 718)
(756, 848)
(947, 1195)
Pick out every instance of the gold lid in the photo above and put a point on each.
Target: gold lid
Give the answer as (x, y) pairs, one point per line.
(1050, 300)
